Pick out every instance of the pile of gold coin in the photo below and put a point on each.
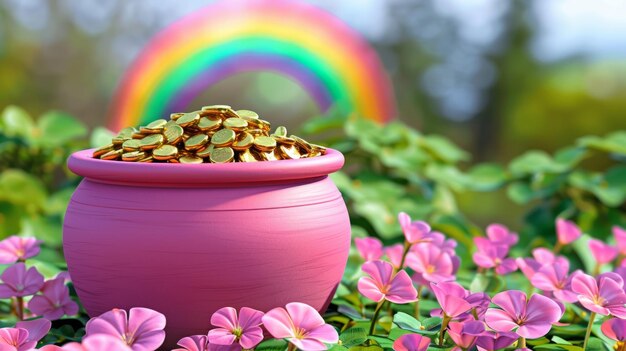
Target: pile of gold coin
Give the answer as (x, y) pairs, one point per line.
(215, 134)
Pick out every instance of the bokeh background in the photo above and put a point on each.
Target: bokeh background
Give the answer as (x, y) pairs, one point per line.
(496, 78)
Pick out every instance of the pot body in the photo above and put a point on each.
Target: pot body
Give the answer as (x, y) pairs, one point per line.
(188, 251)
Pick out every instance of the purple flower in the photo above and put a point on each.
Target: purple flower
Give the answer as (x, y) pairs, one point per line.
(193, 343)
(541, 257)
(394, 254)
(500, 235)
(244, 330)
(567, 231)
(411, 342)
(141, 329)
(97, 342)
(554, 278)
(615, 329)
(619, 234)
(15, 248)
(301, 325)
(371, 249)
(604, 295)
(24, 336)
(533, 318)
(464, 334)
(430, 263)
(490, 255)
(492, 341)
(382, 283)
(452, 298)
(54, 301)
(414, 232)
(20, 282)
(603, 253)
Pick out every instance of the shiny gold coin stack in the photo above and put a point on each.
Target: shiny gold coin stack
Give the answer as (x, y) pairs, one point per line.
(215, 134)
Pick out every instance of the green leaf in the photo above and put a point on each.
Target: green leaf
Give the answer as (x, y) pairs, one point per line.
(406, 321)
(558, 347)
(486, 177)
(487, 283)
(365, 348)
(353, 336)
(520, 192)
(21, 188)
(559, 340)
(57, 128)
(272, 345)
(612, 143)
(443, 149)
(533, 162)
(100, 136)
(382, 341)
(338, 348)
(16, 122)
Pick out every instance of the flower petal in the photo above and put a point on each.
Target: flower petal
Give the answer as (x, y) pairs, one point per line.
(305, 316)
(500, 320)
(401, 289)
(221, 336)
(251, 337)
(370, 289)
(249, 317)
(324, 333)
(278, 322)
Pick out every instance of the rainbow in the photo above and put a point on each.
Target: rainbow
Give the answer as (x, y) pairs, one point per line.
(321, 53)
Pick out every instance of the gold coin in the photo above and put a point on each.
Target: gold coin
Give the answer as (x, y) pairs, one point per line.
(270, 156)
(138, 135)
(112, 155)
(188, 119)
(165, 152)
(126, 133)
(318, 148)
(222, 155)
(205, 152)
(289, 152)
(175, 116)
(154, 127)
(264, 143)
(147, 159)
(102, 150)
(246, 114)
(133, 156)
(190, 159)
(206, 124)
(131, 145)
(248, 156)
(197, 141)
(236, 124)
(173, 160)
(216, 107)
(265, 125)
(283, 140)
(243, 141)
(151, 141)
(257, 132)
(173, 133)
(303, 144)
(223, 137)
(280, 131)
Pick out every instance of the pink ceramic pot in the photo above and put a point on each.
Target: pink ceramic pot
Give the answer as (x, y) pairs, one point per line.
(187, 239)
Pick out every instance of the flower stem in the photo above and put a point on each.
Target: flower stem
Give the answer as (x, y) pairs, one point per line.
(444, 326)
(376, 312)
(557, 247)
(291, 347)
(407, 247)
(522, 343)
(19, 307)
(417, 303)
(588, 332)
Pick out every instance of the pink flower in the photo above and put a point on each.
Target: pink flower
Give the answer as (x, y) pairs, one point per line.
(24, 336)
(491, 341)
(452, 298)
(464, 334)
(193, 343)
(245, 330)
(414, 232)
(15, 248)
(619, 234)
(615, 329)
(382, 283)
(541, 257)
(20, 282)
(533, 318)
(604, 295)
(141, 330)
(54, 301)
(430, 263)
(490, 255)
(554, 278)
(566, 231)
(500, 235)
(411, 342)
(96, 342)
(371, 249)
(603, 253)
(447, 245)
(301, 325)
(394, 254)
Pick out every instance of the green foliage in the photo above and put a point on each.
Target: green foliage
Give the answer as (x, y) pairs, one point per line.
(392, 168)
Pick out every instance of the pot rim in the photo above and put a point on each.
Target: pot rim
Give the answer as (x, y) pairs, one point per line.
(180, 175)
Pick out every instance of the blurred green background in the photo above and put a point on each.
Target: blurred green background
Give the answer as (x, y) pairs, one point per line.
(496, 78)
